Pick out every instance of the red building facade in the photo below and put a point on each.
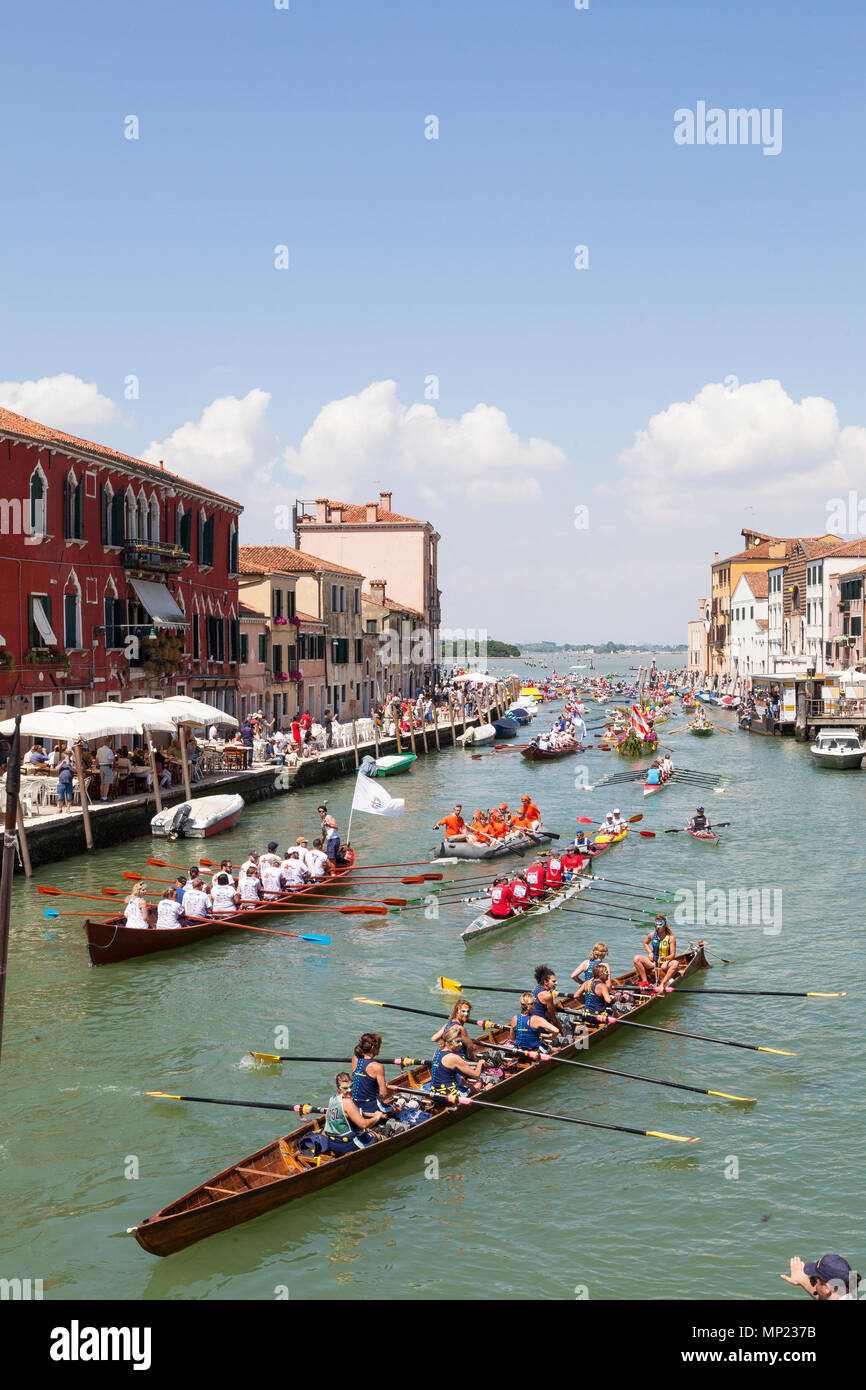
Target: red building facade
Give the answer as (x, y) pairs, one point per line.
(117, 578)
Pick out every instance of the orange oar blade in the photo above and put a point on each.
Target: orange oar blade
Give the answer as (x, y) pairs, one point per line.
(130, 874)
(160, 864)
(419, 879)
(49, 892)
(364, 911)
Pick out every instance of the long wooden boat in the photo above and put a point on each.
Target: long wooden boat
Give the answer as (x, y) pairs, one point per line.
(534, 754)
(109, 939)
(484, 925)
(279, 1172)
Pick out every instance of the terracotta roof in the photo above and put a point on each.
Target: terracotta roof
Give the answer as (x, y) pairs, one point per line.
(855, 547)
(816, 548)
(391, 604)
(22, 428)
(762, 623)
(757, 582)
(284, 559)
(356, 515)
(244, 611)
(850, 574)
(308, 618)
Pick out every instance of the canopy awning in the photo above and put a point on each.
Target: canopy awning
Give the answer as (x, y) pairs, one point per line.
(158, 602)
(46, 632)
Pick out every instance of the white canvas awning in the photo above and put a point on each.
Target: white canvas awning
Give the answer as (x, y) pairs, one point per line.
(158, 602)
(43, 626)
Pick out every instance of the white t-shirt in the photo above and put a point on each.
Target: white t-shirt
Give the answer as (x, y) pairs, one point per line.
(272, 880)
(251, 890)
(195, 903)
(245, 868)
(168, 913)
(316, 861)
(223, 897)
(294, 873)
(133, 913)
(212, 733)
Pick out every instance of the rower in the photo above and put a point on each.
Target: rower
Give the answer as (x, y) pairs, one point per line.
(451, 1074)
(699, 821)
(530, 811)
(544, 993)
(572, 861)
(660, 954)
(654, 775)
(460, 1016)
(272, 877)
(225, 867)
(330, 833)
(369, 1087)
(535, 880)
(318, 863)
(251, 862)
(597, 956)
(223, 895)
(271, 856)
(293, 872)
(501, 898)
(455, 825)
(553, 872)
(169, 910)
(530, 1029)
(519, 889)
(595, 991)
(667, 766)
(250, 886)
(345, 1125)
(195, 899)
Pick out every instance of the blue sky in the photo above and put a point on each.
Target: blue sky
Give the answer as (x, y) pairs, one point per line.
(453, 257)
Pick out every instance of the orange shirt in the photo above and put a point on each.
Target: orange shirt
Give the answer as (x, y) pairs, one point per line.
(454, 825)
(481, 831)
(496, 826)
(530, 811)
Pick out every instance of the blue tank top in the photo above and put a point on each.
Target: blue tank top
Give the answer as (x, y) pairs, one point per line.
(442, 1078)
(593, 1001)
(365, 1091)
(525, 1035)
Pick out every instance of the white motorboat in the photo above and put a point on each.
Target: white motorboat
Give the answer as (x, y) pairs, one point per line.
(837, 748)
(477, 736)
(198, 819)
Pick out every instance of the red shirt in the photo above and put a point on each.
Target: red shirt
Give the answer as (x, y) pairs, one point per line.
(553, 872)
(572, 861)
(519, 893)
(535, 879)
(501, 900)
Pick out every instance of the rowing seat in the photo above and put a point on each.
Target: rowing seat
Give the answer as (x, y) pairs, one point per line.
(260, 1173)
(221, 1191)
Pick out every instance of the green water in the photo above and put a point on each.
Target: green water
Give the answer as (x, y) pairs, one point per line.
(521, 1207)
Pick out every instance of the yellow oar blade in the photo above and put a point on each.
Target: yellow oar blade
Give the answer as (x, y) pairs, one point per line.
(359, 999)
(816, 994)
(779, 1051)
(163, 1095)
(452, 986)
(676, 1138)
(266, 1056)
(748, 1100)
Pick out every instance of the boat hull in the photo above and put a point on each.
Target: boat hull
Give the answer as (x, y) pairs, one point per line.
(484, 925)
(394, 763)
(210, 815)
(838, 761)
(518, 844)
(109, 940)
(706, 836)
(214, 1206)
(547, 755)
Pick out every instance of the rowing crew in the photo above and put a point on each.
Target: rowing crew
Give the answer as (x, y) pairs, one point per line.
(533, 885)
(660, 771)
(487, 826)
(261, 878)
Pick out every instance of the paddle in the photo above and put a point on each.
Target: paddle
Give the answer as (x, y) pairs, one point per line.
(428, 1013)
(720, 825)
(611, 1071)
(549, 1115)
(677, 1032)
(300, 1109)
(386, 1061)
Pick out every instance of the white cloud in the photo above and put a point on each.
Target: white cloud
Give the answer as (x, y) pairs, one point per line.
(231, 443)
(722, 449)
(477, 456)
(64, 401)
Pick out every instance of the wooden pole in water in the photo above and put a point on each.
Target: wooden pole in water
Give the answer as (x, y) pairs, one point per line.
(396, 714)
(22, 843)
(451, 717)
(376, 736)
(436, 723)
(153, 777)
(82, 790)
(184, 763)
(13, 786)
(410, 715)
(424, 729)
(355, 741)
(463, 699)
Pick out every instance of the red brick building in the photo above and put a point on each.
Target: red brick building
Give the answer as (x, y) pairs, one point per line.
(117, 578)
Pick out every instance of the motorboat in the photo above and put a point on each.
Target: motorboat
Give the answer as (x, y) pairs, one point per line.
(837, 748)
(198, 819)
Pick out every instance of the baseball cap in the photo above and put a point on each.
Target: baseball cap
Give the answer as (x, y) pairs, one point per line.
(829, 1267)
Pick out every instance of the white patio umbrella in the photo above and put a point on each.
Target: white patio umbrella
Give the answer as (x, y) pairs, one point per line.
(186, 713)
(136, 720)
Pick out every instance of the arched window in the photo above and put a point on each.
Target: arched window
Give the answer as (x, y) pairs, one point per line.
(154, 518)
(795, 598)
(131, 516)
(38, 500)
(143, 517)
(72, 638)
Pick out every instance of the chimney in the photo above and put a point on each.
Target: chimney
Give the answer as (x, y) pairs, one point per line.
(377, 589)
(372, 512)
(337, 515)
(716, 561)
(161, 464)
(385, 501)
(321, 509)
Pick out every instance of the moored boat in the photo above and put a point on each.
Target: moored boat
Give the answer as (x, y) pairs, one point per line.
(198, 819)
(838, 749)
(110, 940)
(477, 736)
(506, 728)
(394, 762)
(280, 1171)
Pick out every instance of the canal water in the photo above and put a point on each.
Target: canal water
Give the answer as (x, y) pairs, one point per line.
(501, 1206)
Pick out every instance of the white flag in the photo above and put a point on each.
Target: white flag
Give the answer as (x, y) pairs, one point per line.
(370, 797)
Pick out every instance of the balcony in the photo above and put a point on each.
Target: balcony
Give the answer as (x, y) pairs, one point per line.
(154, 556)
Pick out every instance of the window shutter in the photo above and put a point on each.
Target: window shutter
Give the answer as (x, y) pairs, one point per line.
(70, 623)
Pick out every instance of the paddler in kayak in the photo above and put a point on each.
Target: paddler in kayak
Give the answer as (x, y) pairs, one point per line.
(699, 821)
(531, 1029)
(607, 827)
(619, 824)
(454, 824)
(660, 954)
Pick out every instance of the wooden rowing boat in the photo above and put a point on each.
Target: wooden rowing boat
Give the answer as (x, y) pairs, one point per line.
(484, 925)
(279, 1172)
(110, 940)
(702, 730)
(534, 754)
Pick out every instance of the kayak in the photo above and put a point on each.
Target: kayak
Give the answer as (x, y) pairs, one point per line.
(704, 835)
(602, 839)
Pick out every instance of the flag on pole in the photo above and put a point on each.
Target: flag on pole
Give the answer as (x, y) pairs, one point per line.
(370, 797)
(639, 723)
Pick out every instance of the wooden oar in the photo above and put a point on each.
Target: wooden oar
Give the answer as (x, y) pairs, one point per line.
(611, 1071)
(549, 1115)
(765, 993)
(300, 1109)
(183, 868)
(428, 1013)
(678, 1032)
(274, 1057)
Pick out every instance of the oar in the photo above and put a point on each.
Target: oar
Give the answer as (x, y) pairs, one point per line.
(313, 937)
(769, 993)
(631, 883)
(184, 868)
(301, 1109)
(720, 727)
(611, 1071)
(605, 916)
(386, 1061)
(309, 894)
(428, 1013)
(719, 825)
(549, 1115)
(455, 987)
(678, 1032)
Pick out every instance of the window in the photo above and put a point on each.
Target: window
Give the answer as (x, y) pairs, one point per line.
(196, 637)
(245, 649)
(341, 651)
(234, 638)
(37, 502)
(199, 531)
(334, 608)
(73, 511)
(277, 603)
(357, 607)
(263, 648)
(39, 630)
(115, 621)
(207, 537)
(277, 662)
(320, 647)
(302, 646)
(342, 599)
(233, 549)
(116, 520)
(290, 603)
(856, 627)
(359, 650)
(183, 529)
(72, 620)
(371, 625)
